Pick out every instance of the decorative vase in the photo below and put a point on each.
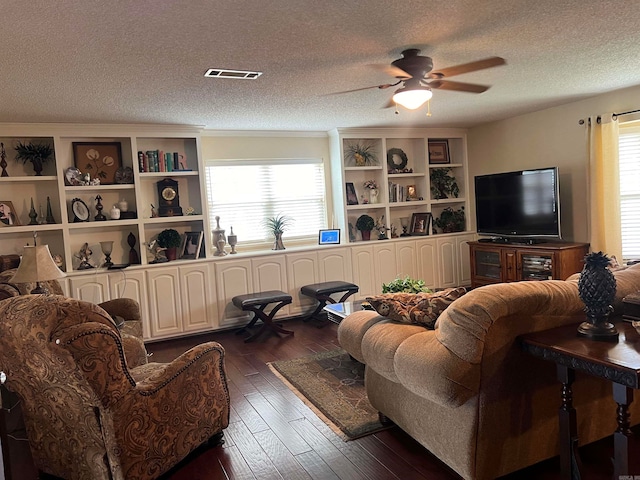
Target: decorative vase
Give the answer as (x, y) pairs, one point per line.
(373, 195)
(277, 244)
(366, 234)
(171, 253)
(37, 166)
(123, 205)
(219, 239)
(597, 289)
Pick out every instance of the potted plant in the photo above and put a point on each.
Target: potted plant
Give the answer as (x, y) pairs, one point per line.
(361, 154)
(36, 153)
(276, 226)
(405, 285)
(365, 224)
(443, 185)
(171, 240)
(451, 220)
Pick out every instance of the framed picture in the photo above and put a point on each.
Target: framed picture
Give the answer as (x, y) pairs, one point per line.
(439, 151)
(8, 214)
(420, 224)
(99, 159)
(192, 245)
(412, 193)
(352, 198)
(329, 236)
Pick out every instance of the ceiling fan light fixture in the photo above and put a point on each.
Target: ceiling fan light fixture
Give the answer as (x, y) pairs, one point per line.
(412, 97)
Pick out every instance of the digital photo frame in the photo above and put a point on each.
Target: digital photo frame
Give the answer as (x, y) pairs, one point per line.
(329, 236)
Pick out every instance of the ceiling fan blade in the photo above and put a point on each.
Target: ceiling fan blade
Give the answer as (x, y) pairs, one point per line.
(457, 86)
(391, 70)
(381, 87)
(468, 67)
(389, 104)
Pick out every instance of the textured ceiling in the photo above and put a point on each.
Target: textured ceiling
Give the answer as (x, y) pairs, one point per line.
(143, 61)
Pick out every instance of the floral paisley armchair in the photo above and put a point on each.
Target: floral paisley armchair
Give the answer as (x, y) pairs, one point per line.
(87, 412)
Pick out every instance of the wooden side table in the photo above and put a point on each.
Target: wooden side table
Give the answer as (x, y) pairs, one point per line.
(617, 362)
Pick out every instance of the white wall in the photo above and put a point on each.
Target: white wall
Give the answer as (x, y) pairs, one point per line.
(550, 137)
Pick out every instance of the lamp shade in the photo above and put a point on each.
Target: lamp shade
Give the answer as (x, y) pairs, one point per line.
(37, 265)
(412, 97)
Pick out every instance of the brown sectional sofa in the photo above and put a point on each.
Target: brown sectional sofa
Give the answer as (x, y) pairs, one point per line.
(467, 392)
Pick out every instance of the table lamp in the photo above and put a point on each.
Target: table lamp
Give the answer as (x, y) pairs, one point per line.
(37, 266)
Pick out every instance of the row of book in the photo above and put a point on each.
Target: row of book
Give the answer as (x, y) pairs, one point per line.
(397, 192)
(159, 161)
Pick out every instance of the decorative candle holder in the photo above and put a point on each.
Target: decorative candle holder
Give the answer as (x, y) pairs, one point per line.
(404, 221)
(107, 248)
(233, 241)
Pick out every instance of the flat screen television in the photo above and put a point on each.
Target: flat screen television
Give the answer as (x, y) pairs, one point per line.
(523, 204)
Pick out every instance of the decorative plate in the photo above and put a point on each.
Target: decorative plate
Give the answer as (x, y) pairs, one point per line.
(124, 175)
(73, 176)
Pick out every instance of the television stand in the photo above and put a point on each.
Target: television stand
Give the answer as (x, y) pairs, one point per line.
(493, 262)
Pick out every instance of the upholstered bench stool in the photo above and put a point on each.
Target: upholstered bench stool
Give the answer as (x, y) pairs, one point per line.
(322, 293)
(256, 303)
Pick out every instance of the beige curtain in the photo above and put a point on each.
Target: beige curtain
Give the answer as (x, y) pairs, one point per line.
(604, 186)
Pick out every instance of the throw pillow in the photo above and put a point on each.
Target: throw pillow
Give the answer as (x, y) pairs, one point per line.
(415, 308)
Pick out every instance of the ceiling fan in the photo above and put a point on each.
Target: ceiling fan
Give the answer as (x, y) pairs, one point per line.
(415, 73)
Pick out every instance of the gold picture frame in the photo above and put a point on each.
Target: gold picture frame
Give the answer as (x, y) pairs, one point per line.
(99, 159)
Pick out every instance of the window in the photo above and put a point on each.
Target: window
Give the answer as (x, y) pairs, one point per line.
(629, 153)
(243, 193)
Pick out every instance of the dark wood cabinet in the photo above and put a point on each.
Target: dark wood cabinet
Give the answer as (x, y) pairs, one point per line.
(497, 263)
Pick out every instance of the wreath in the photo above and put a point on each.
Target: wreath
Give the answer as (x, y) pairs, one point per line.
(393, 152)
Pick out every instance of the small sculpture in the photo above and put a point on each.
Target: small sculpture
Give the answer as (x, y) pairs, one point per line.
(382, 229)
(99, 216)
(33, 215)
(154, 212)
(49, 219)
(156, 251)
(133, 254)
(83, 255)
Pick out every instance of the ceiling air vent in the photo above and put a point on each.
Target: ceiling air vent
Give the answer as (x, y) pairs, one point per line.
(223, 73)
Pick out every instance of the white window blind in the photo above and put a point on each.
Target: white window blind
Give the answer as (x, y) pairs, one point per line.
(243, 193)
(629, 153)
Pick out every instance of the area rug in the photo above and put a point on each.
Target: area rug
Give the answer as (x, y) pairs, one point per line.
(332, 385)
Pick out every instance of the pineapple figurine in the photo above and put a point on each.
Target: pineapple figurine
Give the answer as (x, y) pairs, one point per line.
(597, 289)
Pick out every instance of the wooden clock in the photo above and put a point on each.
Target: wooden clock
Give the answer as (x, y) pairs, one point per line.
(168, 198)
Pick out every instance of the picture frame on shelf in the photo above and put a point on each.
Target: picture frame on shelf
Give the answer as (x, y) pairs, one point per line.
(329, 236)
(412, 193)
(192, 245)
(98, 159)
(8, 215)
(420, 223)
(352, 198)
(439, 152)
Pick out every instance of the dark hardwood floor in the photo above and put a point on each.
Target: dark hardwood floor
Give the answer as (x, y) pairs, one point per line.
(274, 435)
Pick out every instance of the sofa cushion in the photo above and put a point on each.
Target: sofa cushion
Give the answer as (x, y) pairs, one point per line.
(415, 308)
